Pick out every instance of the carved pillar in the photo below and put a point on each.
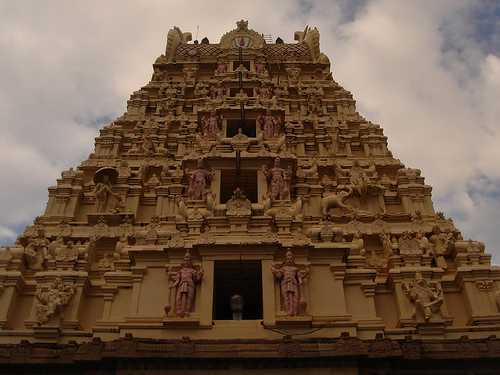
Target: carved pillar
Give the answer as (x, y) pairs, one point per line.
(133, 200)
(364, 280)
(116, 145)
(49, 209)
(406, 201)
(72, 205)
(162, 202)
(338, 306)
(366, 149)
(428, 206)
(110, 292)
(11, 282)
(314, 203)
(478, 289)
(71, 311)
(348, 150)
(261, 186)
(138, 273)
(404, 305)
(181, 148)
(215, 186)
(268, 297)
(206, 293)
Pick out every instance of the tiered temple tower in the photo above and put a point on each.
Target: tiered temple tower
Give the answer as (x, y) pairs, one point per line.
(242, 214)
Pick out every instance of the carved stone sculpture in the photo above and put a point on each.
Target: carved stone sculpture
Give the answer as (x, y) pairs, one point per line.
(210, 125)
(51, 299)
(359, 179)
(270, 125)
(278, 181)
(408, 244)
(425, 295)
(184, 284)
(332, 200)
(198, 182)
(238, 205)
(291, 279)
(37, 251)
(104, 194)
(387, 244)
(309, 172)
(293, 211)
(440, 246)
(221, 68)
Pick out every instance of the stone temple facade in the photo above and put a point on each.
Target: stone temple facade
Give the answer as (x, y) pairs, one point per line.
(241, 216)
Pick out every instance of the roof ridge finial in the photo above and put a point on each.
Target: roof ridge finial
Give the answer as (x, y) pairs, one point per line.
(242, 25)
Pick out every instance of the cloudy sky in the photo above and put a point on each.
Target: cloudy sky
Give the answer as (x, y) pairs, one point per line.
(428, 71)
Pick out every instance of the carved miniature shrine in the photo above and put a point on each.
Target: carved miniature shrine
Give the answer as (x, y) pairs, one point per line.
(242, 214)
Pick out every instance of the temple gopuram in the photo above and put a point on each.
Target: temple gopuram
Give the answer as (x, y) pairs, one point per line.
(242, 217)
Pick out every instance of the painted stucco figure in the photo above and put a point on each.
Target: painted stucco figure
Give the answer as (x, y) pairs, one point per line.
(290, 278)
(185, 281)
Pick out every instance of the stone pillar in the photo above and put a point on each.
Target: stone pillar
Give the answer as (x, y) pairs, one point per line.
(478, 288)
(268, 296)
(403, 303)
(338, 304)
(72, 310)
(314, 203)
(72, 204)
(11, 282)
(138, 273)
(215, 186)
(261, 185)
(162, 204)
(134, 197)
(206, 293)
(110, 292)
(366, 149)
(49, 209)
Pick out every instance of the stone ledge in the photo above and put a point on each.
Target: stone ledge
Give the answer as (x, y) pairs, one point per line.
(343, 347)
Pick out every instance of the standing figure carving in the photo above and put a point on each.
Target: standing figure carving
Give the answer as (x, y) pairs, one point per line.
(359, 179)
(103, 195)
(221, 68)
(198, 182)
(37, 251)
(270, 125)
(440, 242)
(291, 279)
(278, 181)
(185, 280)
(210, 125)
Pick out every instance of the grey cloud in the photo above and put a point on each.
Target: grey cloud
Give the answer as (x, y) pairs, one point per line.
(428, 72)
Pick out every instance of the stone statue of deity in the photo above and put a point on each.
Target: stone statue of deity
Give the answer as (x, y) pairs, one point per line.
(291, 279)
(278, 181)
(185, 280)
(51, 299)
(425, 295)
(104, 194)
(221, 68)
(359, 179)
(440, 246)
(199, 180)
(210, 125)
(270, 125)
(37, 251)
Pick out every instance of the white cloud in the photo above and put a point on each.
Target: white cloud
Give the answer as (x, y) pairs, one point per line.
(417, 69)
